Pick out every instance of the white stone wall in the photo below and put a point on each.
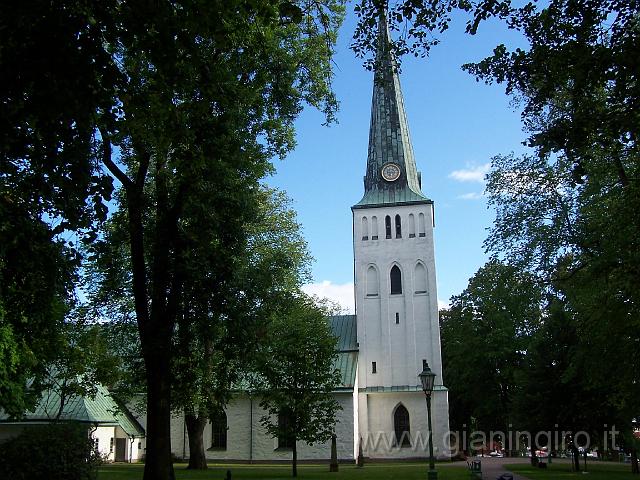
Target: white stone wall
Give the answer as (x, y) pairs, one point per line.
(377, 432)
(247, 440)
(104, 435)
(397, 348)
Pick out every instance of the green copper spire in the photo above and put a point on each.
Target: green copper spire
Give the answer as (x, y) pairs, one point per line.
(390, 146)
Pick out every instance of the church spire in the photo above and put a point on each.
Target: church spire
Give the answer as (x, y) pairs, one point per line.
(391, 176)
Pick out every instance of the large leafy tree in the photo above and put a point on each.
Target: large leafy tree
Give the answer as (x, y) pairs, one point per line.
(181, 105)
(36, 274)
(296, 374)
(485, 336)
(218, 331)
(55, 76)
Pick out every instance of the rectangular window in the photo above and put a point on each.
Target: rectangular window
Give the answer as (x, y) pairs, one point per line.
(284, 425)
(373, 367)
(397, 318)
(219, 430)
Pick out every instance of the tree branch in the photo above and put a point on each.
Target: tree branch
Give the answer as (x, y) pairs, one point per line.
(109, 163)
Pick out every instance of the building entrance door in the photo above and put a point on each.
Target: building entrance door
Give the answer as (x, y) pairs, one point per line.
(121, 449)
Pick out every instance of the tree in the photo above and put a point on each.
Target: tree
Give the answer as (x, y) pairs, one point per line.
(218, 332)
(36, 272)
(297, 375)
(81, 363)
(555, 393)
(485, 334)
(182, 104)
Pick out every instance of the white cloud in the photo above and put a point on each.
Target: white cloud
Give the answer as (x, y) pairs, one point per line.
(442, 304)
(341, 294)
(471, 174)
(471, 196)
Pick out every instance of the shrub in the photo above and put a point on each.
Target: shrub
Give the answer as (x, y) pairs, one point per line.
(62, 451)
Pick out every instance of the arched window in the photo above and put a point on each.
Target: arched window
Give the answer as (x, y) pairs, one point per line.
(420, 278)
(285, 439)
(401, 426)
(421, 228)
(412, 225)
(219, 430)
(365, 229)
(396, 280)
(372, 282)
(387, 226)
(398, 227)
(374, 228)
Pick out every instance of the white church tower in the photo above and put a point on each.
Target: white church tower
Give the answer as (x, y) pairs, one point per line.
(396, 299)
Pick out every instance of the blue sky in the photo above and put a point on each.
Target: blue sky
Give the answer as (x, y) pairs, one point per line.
(456, 124)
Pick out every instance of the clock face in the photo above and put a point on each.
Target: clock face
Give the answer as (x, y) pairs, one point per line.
(390, 172)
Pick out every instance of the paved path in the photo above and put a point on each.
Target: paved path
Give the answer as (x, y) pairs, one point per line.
(492, 468)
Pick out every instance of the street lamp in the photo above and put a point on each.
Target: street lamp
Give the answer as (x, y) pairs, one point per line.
(427, 379)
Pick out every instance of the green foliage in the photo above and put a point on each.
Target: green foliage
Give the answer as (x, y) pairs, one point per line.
(555, 389)
(36, 272)
(183, 104)
(81, 363)
(296, 373)
(219, 329)
(485, 335)
(62, 451)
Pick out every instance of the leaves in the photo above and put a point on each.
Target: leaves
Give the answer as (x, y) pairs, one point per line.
(296, 372)
(485, 334)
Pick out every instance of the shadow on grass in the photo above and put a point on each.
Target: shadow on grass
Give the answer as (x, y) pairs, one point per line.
(386, 471)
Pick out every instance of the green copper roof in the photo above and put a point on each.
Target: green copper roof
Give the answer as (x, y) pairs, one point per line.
(389, 139)
(344, 327)
(101, 409)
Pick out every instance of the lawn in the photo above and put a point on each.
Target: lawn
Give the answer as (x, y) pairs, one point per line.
(378, 471)
(562, 471)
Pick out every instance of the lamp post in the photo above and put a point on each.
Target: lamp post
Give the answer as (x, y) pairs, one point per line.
(427, 379)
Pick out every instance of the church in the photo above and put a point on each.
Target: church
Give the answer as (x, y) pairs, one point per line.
(395, 331)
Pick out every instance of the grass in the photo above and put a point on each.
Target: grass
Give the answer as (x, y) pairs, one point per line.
(562, 471)
(373, 471)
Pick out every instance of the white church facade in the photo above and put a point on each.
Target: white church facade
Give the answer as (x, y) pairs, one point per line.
(395, 331)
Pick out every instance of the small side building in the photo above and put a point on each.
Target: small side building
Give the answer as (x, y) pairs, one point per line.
(117, 434)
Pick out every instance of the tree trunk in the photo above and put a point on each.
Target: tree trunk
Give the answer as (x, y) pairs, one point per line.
(195, 430)
(158, 461)
(576, 457)
(156, 322)
(294, 464)
(634, 461)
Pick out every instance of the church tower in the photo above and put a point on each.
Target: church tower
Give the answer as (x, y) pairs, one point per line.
(396, 299)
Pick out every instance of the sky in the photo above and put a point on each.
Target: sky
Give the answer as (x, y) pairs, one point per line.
(457, 125)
